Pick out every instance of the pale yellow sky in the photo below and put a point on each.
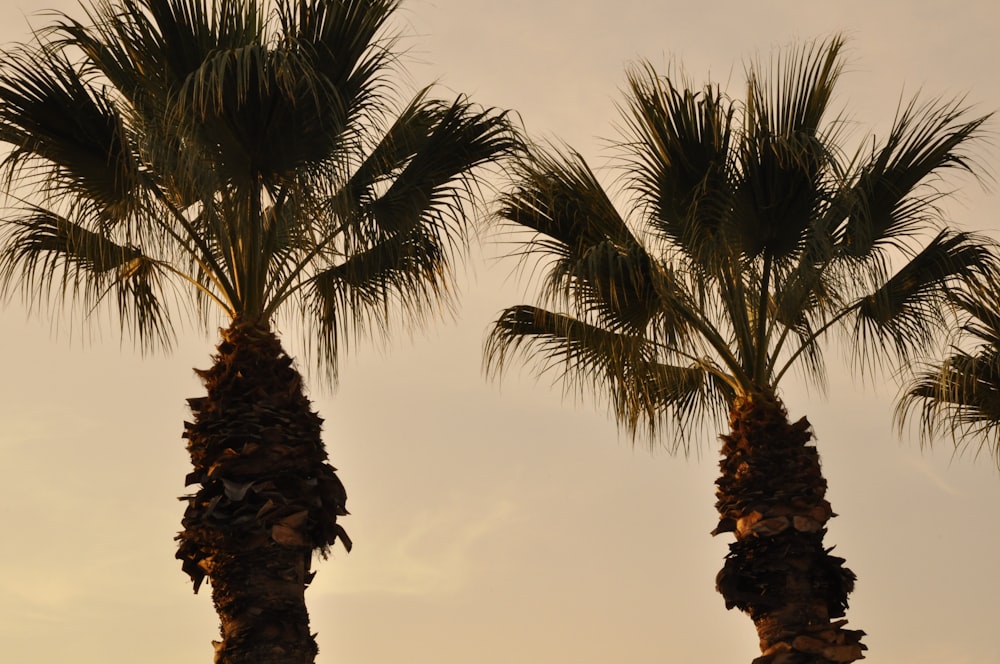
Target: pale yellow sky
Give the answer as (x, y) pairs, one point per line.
(497, 524)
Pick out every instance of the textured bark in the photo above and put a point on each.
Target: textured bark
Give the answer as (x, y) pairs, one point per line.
(771, 495)
(267, 500)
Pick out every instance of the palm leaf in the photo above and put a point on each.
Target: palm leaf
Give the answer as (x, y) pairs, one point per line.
(784, 159)
(430, 185)
(596, 261)
(892, 198)
(904, 313)
(960, 400)
(678, 160)
(399, 274)
(49, 254)
(50, 115)
(960, 397)
(622, 367)
(559, 196)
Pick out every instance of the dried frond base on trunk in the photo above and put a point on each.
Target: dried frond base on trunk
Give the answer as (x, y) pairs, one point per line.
(771, 495)
(268, 499)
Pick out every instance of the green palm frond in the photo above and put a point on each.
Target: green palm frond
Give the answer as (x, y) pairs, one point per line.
(340, 36)
(147, 49)
(66, 136)
(396, 145)
(402, 215)
(677, 160)
(640, 388)
(893, 196)
(979, 303)
(402, 274)
(785, 157)
(462, 137)
(959, 396)
(50, 254)
(594, 259)
(905, 313)
(560, 197)
(960, 400)
(619, 288)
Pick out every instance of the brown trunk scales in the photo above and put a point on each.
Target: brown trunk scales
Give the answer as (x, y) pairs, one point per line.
(771, 496)
(267, 500)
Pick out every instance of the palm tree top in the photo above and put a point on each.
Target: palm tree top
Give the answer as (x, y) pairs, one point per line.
(748, 233)
(255, 152)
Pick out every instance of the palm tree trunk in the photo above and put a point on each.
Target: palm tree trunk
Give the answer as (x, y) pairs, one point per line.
(771, 496)
(267, 499)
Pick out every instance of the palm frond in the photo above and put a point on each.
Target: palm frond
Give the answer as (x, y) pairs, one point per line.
(48, 255)
(623, 367)
(620, 288)
(398, 222)
(596, 263)
(978, 301)
(345, 39)
(393, 150)
(959, 397)
(903, 315)
(147, 49)
(558, 196)
(429, 188)
(893, 196)
(69, 130)
(785, 157)
(401, 274)
(959, 400)
(677, 160)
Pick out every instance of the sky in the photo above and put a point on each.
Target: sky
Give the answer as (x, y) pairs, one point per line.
(498, 522)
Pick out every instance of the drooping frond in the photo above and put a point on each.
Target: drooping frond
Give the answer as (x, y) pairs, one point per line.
(402, 219)
(621, 289)
(394, 148)
(560, 197)
(959, 398)
(430, 185)
(903, 316)
(360, 296)
(644, 392)
(595, 263)
(49, 254)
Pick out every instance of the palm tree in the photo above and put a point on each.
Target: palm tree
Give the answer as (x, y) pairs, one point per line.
(749, 236)
(249, 159)
(960, 395)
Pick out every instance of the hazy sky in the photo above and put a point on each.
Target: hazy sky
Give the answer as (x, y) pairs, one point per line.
(497, 523)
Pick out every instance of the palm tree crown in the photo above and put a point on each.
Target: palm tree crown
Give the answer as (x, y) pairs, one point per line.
(256, 156)
(750, 234)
